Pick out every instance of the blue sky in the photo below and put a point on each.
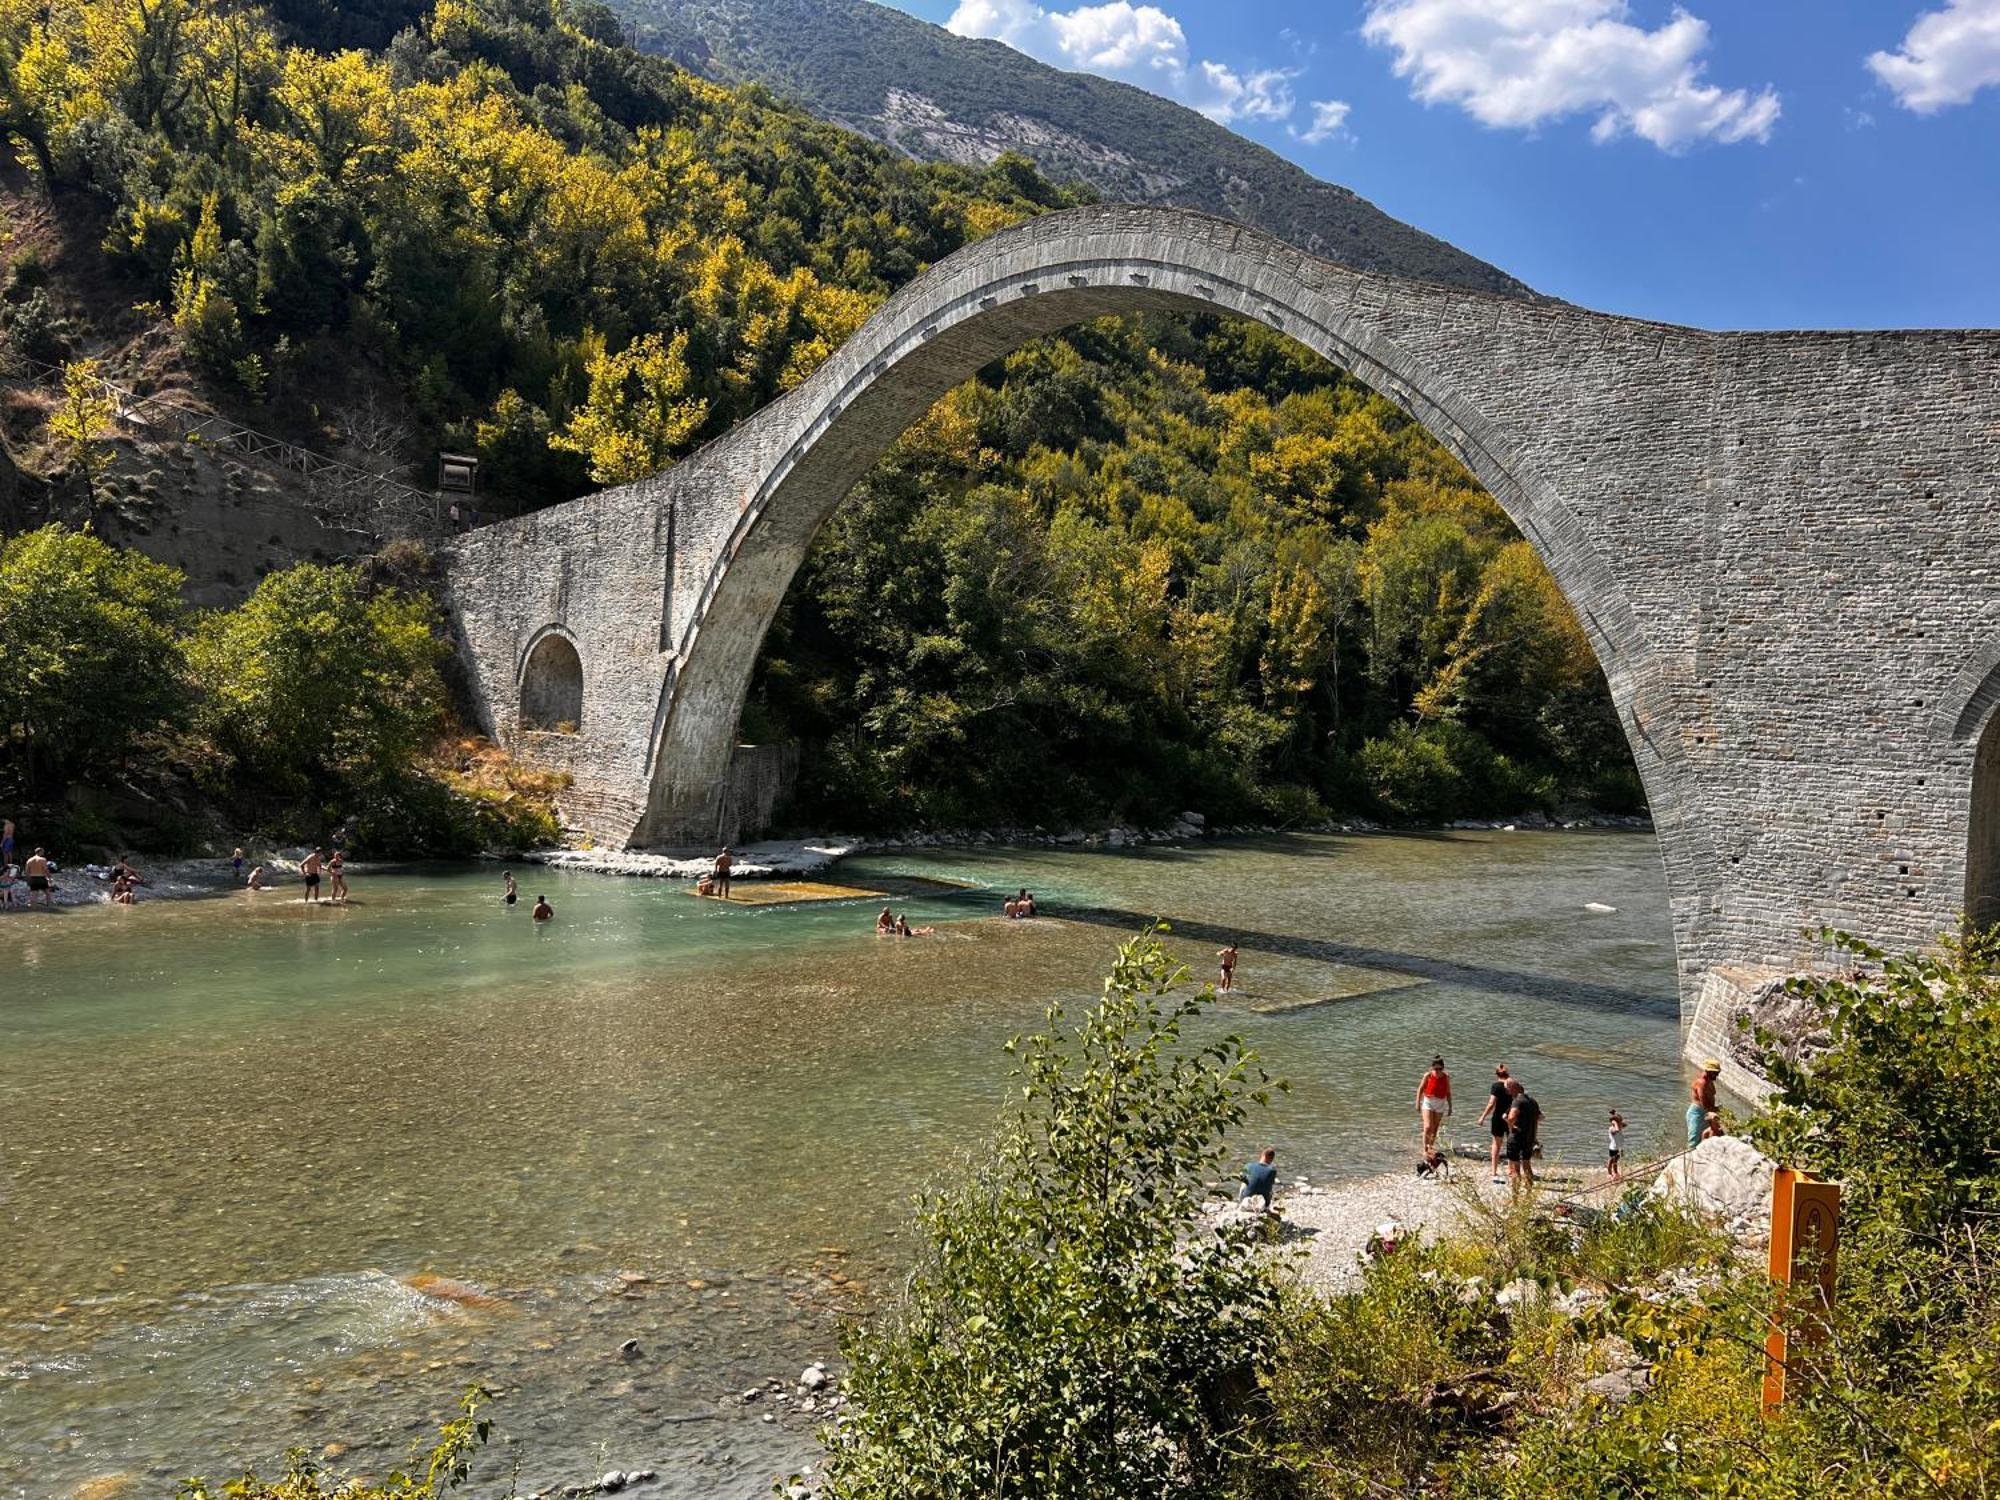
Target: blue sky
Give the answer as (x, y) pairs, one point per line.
(1725, 163)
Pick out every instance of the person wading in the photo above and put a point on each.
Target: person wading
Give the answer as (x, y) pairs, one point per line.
(309, 869)
(719, 877)
(1226, 959)
(1433, 1102)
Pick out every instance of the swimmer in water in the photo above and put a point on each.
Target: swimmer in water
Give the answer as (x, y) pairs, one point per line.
(543, 911)
(513, 891)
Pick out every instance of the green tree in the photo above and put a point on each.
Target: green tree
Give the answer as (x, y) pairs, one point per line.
(1065, 1333)
(82, 423)
(313, 676)
(92, 660)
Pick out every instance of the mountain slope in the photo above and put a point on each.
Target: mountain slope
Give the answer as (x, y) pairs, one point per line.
(941, 97)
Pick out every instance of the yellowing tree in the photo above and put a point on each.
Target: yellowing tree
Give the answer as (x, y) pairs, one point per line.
(83, 422)
(639, 415)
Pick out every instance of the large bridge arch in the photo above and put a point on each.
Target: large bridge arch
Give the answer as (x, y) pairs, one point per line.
(1772, 541)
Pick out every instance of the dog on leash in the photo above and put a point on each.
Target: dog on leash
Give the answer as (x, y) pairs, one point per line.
(1436, 1166)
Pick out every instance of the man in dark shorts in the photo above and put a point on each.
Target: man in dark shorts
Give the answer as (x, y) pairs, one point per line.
(1524, 1121)
(1498, 1101)
(720, 877)
(36, 871)
(309, 868)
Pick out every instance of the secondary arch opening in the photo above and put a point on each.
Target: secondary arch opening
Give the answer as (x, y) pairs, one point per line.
(552, 686)
(1982, 853)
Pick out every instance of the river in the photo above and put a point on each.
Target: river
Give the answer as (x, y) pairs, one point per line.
(230, 1128)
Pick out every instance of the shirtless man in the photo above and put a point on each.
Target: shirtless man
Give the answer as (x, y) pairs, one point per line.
(309, 868)
(886, 922)
(513, 890)
(543, 911)
(1701, 1101)
(36, 873)
(723, 862)
(1226, 957)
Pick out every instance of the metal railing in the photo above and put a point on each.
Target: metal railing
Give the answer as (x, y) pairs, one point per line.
(339, 490)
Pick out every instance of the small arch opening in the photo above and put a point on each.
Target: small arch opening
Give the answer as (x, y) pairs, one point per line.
(552, 686)
(1982, 853)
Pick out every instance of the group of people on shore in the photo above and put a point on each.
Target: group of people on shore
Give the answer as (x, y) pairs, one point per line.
(1513, 1118)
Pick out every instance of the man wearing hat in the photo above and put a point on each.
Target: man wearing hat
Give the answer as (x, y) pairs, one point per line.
(1701, 1101)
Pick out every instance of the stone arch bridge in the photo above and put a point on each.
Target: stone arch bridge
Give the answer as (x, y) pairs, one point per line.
(1781, 545)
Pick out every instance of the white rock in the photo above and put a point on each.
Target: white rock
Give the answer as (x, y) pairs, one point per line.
(814, 1378)
(1597, 906)
(1724, 1177)
(612, 1482)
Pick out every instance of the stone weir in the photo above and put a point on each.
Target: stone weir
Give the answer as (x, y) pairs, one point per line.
(1781, 546)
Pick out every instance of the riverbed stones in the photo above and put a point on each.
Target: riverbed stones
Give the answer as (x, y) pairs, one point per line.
(813, 1378)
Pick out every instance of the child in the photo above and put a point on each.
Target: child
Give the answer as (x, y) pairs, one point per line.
(6, 886)
(1617, 1138)
(236, 864)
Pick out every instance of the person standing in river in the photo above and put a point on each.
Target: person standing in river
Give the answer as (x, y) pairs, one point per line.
(719, 877)
(336, 877)
(513, 891)
(1433, 1102)
(309, 869)
(543, 911)
(1495, 1115)
(1226, 959)
(1701, 1101)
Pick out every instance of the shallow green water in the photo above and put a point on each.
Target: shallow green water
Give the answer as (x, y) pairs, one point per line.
(228, 1127)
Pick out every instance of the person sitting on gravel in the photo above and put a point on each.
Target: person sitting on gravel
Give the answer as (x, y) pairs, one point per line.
(1260, 1178)
(886, 922)
(256, 881)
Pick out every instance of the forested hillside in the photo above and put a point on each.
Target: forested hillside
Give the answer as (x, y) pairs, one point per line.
(942, 97)
(1154, 564)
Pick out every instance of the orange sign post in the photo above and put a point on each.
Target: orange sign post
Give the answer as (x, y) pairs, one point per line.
(1805, 1233)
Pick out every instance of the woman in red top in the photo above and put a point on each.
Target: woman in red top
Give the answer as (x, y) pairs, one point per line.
(1433, 1102)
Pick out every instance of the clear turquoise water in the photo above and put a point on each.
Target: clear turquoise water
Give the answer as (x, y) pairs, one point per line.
(228, 1128)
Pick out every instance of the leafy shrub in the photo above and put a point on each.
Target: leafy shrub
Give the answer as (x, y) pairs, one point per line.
(92, 659)
(441, 1470)
(313, 677)
(1063, 1335)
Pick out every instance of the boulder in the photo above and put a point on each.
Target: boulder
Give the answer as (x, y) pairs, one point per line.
(814, 1378)
(1723, 1178)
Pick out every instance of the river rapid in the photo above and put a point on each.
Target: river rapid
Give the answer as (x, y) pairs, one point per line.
(237, 1134)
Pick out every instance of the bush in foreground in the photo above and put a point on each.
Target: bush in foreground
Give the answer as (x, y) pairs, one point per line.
(1064, 1334)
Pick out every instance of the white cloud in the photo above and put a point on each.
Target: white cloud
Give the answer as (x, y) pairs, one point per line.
(1329, 120)
(1947, 56)
(1518, 63)
(1139, 44)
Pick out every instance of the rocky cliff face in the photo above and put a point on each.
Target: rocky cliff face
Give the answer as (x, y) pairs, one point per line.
(940, 97)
